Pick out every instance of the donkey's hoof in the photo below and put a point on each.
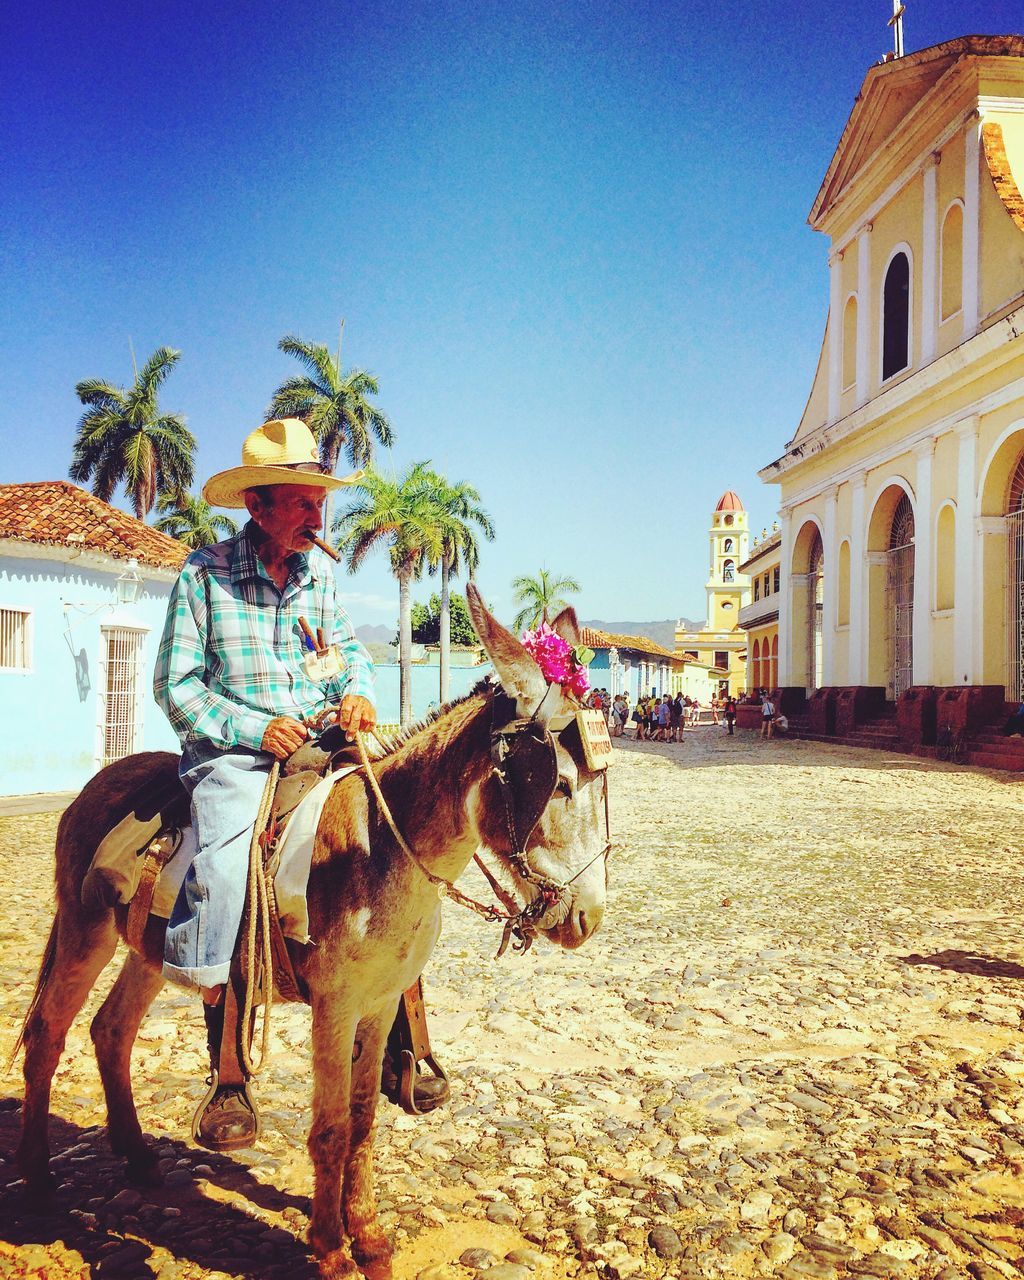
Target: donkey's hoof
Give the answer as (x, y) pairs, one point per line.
(144, 1171)
(372, 1250)
(338, 1265)
(39, 1189)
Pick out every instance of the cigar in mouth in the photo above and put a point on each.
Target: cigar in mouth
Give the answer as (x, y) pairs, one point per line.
(324, 546)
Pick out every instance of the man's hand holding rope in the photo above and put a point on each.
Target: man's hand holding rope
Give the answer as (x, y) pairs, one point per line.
(356, 715)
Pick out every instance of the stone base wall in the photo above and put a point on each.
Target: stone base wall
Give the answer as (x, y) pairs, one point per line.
(821, 711)
(915, 716)
(963, 709)
(855, 704)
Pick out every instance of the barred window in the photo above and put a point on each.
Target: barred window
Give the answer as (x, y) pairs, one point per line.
(15, 641)
(120, 693)
(776, 577)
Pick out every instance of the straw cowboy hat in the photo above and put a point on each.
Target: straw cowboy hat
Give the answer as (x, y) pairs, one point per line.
(282, 451)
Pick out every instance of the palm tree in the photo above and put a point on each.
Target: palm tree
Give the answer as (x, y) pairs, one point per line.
(394, 514)
(541, 598)
(123, 438)
(456, 507)
(334, 405)
(192, 520)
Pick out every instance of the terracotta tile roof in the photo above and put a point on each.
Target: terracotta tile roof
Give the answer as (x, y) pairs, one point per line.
(56, 513)
(595, 639)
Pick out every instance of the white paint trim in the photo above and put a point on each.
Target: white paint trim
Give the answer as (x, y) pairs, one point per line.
(1015, 428)
(906, 250)
(971, 294)
(835, 335)
(858, 579)
(930, 273)
(830, 574)
(923, 559)
(900, 482)
(79, 557)
(864, 382)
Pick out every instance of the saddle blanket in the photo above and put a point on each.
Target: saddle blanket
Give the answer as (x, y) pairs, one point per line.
(294, 854)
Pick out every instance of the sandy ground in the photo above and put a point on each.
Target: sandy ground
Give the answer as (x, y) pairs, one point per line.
(794, 1048)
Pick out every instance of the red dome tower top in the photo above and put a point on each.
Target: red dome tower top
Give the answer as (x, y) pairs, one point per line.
(730, 501)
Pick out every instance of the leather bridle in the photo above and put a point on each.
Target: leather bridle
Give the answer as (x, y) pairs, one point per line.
(535, 739)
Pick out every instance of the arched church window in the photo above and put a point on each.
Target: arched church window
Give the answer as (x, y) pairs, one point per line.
(896, 317)
(728, 570)
(850, 341)
(1016, 501)
(952, 260)
(727, 544)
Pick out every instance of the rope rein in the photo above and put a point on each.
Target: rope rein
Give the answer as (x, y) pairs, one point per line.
(257, 935)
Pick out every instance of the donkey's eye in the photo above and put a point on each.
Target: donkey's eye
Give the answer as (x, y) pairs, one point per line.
(564, 787)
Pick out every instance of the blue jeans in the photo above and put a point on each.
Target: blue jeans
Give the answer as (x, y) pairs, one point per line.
(226, 787)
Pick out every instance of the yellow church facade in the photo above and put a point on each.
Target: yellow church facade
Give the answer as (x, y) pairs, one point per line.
(902, 489)
(721, 645)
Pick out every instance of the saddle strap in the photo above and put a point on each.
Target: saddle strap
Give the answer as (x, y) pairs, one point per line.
(287, 983)
(159, 852)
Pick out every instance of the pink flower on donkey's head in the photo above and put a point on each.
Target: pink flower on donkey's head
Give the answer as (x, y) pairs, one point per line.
(558, 661)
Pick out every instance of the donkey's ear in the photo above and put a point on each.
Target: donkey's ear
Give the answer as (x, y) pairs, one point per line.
(567, 626)
(519, 675)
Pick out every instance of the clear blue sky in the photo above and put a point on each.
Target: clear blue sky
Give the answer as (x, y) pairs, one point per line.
(569, 240)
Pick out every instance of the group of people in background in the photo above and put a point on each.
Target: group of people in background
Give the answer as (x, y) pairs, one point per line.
(659, 719)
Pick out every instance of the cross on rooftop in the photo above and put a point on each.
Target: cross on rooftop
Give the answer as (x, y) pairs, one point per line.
(896, 22)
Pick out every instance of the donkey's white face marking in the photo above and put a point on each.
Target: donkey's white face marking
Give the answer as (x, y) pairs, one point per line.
(358, 921)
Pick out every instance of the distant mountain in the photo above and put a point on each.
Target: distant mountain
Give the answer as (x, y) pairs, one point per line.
(378, 634)
(663, 633)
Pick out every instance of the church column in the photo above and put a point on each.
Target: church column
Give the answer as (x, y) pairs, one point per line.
(864, 307)
(785, 598)
(923, 545)
(835, 333)
(972, 224)
(830, 573)
(930, 261)
(858, 593)
(967, 581)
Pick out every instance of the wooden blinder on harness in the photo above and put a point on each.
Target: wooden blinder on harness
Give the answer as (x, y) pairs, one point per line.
(523, 756)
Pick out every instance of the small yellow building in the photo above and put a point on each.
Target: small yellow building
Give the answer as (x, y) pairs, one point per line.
(902, 489)
(722, 643)
(760, 617)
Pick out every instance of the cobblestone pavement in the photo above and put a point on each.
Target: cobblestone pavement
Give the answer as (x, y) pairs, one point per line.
(794, 1049)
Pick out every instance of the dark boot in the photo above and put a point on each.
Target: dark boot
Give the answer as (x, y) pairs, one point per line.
(428, 1092)
(227, 1118)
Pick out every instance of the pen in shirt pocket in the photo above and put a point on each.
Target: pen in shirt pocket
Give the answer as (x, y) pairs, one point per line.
(307, 635)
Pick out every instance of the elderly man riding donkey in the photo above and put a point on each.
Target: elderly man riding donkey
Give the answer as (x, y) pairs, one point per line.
(257, 656)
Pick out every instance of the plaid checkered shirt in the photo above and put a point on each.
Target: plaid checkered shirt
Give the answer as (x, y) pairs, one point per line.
(231, 655)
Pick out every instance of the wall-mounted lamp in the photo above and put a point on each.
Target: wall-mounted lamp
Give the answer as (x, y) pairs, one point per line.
(129, 583)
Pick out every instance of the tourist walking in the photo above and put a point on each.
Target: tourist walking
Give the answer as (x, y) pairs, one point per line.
(767, 716)
(730, 714)
(676, 717)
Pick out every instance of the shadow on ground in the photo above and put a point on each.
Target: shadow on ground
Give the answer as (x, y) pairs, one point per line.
(968, 962)
(218, 1217)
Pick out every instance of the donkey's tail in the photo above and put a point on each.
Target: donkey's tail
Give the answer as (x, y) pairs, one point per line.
(45, 969)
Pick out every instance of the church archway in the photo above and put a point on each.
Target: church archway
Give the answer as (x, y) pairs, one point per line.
(890, 589)
(900, 597)
(815, 603)
(806, 639)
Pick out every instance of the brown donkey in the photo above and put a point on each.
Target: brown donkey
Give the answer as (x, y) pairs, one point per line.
(373, 912)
